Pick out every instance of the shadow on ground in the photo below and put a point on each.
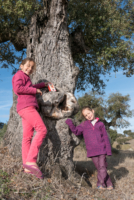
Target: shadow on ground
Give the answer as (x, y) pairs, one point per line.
(117, 172)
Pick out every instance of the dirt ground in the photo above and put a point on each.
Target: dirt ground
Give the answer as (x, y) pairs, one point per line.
(15, 185)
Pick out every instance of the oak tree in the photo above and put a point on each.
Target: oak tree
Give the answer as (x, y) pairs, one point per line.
(100, 34)
(95, 36)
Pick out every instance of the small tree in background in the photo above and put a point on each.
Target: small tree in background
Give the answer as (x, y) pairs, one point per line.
(113, 135)
(129, 133)
(111, 111)
(1, 125)
(122, 140)
(3, 130)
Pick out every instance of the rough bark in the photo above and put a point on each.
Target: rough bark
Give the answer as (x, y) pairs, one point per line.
(50, 48)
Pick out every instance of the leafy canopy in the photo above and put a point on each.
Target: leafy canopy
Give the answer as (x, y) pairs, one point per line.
(107, 29)
(113, 135)
(14, 14)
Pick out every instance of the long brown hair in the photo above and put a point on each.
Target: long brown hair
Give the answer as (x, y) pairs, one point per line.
(28, 59)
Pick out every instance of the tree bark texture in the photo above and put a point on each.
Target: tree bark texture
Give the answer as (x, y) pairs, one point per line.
(48, 43)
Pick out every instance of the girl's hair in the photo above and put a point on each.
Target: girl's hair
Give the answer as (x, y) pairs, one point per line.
(28, 59)
(84, 108)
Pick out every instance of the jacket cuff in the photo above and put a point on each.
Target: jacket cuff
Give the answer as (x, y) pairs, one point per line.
(34, 90)
(68, 122)
(109, 154)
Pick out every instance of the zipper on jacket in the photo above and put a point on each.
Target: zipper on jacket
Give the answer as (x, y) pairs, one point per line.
(92, 124)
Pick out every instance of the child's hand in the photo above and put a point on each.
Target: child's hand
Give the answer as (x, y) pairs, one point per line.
(68, 121)
(39, 91)
(46, 83)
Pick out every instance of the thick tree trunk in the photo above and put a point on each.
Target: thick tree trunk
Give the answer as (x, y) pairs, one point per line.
(48, 44)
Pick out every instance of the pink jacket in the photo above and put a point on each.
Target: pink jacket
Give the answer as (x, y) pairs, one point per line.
(26, 92)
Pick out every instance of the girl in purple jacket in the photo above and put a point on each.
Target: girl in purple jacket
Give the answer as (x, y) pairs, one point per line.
(97, 144)
(27, 109)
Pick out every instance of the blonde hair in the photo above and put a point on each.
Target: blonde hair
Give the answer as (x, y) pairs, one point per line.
(28, 59)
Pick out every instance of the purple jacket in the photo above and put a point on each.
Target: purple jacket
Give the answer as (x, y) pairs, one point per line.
(26, 92)
(96, 138)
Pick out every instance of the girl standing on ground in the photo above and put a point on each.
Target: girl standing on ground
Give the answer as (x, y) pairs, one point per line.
(27, 109)
(97, 144)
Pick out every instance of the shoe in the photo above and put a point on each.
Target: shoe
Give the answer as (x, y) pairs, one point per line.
(100, 187)
(110, 187)
(34, 170)
(27, 172)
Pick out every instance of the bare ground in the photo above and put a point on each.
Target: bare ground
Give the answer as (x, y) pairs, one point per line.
(17, 185)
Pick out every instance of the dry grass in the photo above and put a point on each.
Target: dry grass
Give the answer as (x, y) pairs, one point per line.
(20, 186)
(128, 146)
(120, 168)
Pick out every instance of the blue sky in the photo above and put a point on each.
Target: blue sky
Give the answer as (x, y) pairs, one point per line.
(120, 84)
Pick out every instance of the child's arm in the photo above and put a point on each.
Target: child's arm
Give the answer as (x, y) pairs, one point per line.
(77, 130)
(40, 85)
(107, 142)
(19, 88)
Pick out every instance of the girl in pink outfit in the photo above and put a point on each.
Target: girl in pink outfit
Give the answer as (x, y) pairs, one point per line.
(27, 109)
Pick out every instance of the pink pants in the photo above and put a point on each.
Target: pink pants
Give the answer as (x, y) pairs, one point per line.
(101, 166)
(31, 120)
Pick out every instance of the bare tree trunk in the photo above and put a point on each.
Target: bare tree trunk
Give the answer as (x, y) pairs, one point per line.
(48, 44)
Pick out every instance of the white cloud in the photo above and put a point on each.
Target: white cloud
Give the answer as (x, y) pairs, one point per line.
(6, 106)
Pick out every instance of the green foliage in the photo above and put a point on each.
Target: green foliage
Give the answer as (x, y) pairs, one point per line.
(111, 111)
(107, 28)
(4, 184)
(113, 135)
(1, 125)
(2, 131)
(122, 140)
(118, 108)
(129, 133)
(13, 16)
(115, 151)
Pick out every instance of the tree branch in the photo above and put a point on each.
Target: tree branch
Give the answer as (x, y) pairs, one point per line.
(77, 42)
(18, 39)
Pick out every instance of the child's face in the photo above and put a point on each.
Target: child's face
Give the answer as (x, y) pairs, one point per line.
(88, 114)
(28, 67)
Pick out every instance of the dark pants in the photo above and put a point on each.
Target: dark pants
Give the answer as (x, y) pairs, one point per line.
(101, 166)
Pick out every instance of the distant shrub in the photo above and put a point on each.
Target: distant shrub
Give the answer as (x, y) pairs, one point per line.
(2, 131)
(115, 151)
(1, 125)
(113, 135)
(118, 147)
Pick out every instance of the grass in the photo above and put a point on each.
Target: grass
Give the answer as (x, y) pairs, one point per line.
(14, 184)
(4, 184)
(2, 131)
(125, 147)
